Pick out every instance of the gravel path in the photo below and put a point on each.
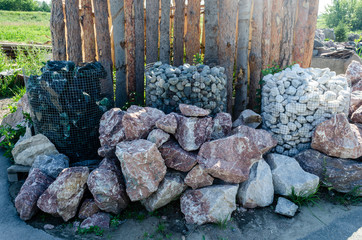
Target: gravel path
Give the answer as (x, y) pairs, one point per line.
(4, 102)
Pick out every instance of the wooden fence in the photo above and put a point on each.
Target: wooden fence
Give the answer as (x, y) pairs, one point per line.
(244, 36)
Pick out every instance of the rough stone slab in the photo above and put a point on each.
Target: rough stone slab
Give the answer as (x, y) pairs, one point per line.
(64, 195)
(258, 190)
(168, 123)
(193, 132)
(158, 137)
(26, 151)
(193, 111)
(288, 175)
(221, 125)
(229, 159)
(286, 207)
(142, 166)
(198, 178)
(16, 169)
(210, 204)
(88, 208)
(177, 158)
(248, 118)
(338, 138)
(51, 165)
(171, 187)
(344, 175)
(34, 186)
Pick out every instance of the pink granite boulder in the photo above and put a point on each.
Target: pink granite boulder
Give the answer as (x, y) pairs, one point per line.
(354, 72)
(338, 138)
(34, 186)
(221, 125)
(100, 219)
(193, 111)
(88, 208)
(142, 166)
(158, 137)
(198, 178)
(64, 195)
(168, 123)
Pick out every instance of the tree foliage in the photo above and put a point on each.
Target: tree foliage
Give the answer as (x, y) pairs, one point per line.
(348, 12)
(24, 5)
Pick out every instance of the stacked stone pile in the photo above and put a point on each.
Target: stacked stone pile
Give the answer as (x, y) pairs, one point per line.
(296, 100)
(168, 86)
(200, 159)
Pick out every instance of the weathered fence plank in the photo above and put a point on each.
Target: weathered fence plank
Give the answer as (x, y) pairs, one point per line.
(241, 86)
(117, 12)
(165, 32)
(140, 50)
(211, 31)
(152, 17)
(192, 38)
(179, 28)
(74, 40)
(265, 40)
(57, 27)
(286, 48)
(87, 24)
(130, 44)
(300, 30)
(276, 30)
(227, 32)
(255, 53)
(103, 43)
(312, 24)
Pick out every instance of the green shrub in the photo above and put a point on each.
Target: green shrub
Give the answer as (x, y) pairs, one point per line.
(341, 32)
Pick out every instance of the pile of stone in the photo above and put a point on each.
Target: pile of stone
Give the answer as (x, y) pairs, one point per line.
(156, 158)
(168, 86)
(296, 100)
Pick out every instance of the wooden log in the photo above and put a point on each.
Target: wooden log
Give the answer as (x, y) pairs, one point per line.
(87, 24)
(179, 26)
(276, 30)
(152, 11)
(266, 35)
(202, 28)
(130, 44)
(286, 48)
(103, 46)
(117, 12)
(192, 38)
(227, 31)
(165, 32)
(312, 24)
(74, 40)
(57, 28)
(300, 31)
(211, 32)
(242, 71)
(139, 51)
(255, 54)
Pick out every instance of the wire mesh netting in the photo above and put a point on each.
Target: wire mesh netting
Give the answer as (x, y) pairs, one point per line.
(67, 105)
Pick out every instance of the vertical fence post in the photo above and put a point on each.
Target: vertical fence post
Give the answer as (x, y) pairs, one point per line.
(152, 17)
(179, 25)
(265, 40)
(57, 27)
(140, 50)
(211, 31)
(192, 38)
(242, 71)
(74, 40)
(286, 48)
(130, 44)
(87, 23)
(165, 32)
(312, 24)
(103, 46)
(227, 32)
(300, 29)
(276, 30)
(255, 61)
(117, 11)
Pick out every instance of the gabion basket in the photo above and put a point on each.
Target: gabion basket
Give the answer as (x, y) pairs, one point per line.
(67, 105)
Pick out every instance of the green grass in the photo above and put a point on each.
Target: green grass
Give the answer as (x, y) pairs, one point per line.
(25, 27)
(305, 199)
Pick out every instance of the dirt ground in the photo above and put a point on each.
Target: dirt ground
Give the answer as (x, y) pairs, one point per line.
(327, 220)
(4, 102)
